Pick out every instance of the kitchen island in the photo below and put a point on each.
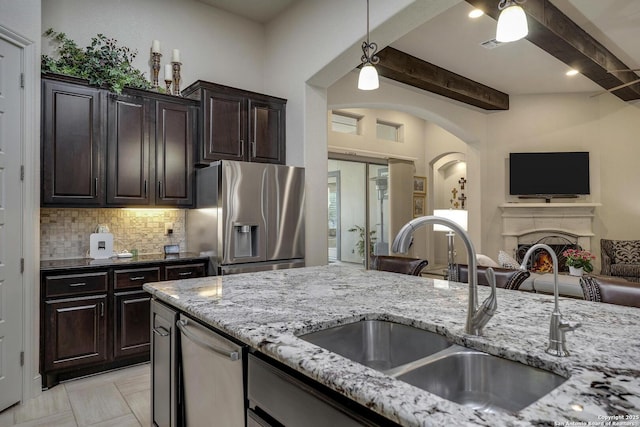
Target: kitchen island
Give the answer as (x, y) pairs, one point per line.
(268, 310)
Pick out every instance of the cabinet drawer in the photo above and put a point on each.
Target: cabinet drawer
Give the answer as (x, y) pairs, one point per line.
(184, 271)
(135, 278)
(73, 284)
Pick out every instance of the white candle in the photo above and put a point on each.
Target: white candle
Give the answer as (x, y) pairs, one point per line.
(155, 46)
(176, 55)
(168, 72)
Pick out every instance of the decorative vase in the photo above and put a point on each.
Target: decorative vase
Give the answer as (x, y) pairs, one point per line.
(573, 271)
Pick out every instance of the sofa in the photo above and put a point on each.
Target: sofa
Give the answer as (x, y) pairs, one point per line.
(397, 264)
(620, 258)
(610, 290)
(505, 278)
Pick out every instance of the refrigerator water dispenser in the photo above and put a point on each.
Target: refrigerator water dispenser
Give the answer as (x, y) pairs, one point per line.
(245, 241)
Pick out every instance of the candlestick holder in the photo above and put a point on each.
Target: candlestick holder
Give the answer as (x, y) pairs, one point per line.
(176, 78)
(155, 66)
(168, 83)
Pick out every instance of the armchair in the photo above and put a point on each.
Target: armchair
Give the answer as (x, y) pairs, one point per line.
(620, 258)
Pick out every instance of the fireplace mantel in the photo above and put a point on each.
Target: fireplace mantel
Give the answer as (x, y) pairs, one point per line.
(527, 222)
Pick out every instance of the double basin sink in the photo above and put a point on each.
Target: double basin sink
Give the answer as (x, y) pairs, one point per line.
(429, 361)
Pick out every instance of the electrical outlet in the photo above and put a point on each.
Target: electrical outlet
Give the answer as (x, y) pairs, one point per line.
(168, 228)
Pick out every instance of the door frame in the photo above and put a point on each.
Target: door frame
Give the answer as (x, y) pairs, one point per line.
(30, 158)
(367, 161)
(336, 175)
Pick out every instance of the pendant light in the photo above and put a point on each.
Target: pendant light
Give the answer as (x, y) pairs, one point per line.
(512, 22)
(368, 79)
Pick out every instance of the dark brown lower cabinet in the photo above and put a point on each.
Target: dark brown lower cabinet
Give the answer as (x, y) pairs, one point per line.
(77, 332)
(96, 319)
(131, 327)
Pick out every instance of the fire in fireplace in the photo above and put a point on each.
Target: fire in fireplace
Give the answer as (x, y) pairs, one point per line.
(541, 261)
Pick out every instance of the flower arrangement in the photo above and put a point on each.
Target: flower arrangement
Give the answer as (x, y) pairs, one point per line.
(579, 259)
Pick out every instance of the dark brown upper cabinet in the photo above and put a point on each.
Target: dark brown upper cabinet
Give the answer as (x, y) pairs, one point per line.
(238, 125)
(128, 151)
(174, 154)
(72, 150)
(103, 149)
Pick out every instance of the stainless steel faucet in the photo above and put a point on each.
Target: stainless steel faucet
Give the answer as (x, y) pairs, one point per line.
(557, 345)
(477, 317)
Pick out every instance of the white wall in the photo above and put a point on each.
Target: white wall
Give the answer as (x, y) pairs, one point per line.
(214, 45)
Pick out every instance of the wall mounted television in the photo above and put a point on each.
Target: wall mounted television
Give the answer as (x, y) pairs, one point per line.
(547, 175)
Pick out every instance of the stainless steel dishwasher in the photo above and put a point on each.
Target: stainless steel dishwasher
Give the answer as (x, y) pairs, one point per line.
(212, 377)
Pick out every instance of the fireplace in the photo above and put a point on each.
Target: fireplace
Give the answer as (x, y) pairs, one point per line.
(541, 261)
(559, 225)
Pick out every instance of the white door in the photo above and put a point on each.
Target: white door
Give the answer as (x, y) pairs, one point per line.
(10, 225)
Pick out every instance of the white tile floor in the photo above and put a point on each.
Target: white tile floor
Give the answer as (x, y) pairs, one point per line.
(119, 398)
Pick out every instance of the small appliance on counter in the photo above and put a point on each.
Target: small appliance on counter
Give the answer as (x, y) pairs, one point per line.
(101, 243)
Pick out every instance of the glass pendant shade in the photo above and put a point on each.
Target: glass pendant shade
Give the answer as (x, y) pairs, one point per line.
(368, 79)
(512, 24)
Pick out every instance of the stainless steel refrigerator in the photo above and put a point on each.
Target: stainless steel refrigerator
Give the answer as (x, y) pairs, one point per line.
(249, 217)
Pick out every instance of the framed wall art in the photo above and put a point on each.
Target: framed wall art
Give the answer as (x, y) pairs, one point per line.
(420, 184)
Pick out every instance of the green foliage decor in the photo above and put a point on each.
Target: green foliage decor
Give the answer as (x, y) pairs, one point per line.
(103, 63)
(360, 245)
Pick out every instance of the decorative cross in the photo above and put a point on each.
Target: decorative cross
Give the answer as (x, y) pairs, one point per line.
(454, 192)
(462, 182)
(456, 205)
(462, 198)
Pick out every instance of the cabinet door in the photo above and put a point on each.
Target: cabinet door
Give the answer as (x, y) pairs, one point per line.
(131, 323)
(267, 131)
(174, 154)
(127, 151)
(225, 126)
(75, 332)
(71, 145)
(184, 271)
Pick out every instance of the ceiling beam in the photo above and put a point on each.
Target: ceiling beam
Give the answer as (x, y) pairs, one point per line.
(554, 32)
(404, 68)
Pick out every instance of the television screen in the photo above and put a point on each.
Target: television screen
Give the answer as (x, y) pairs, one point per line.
(561, 173)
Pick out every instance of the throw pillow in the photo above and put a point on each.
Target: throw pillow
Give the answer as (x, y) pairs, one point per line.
(485, 261)
(507, 261)
(626, 252)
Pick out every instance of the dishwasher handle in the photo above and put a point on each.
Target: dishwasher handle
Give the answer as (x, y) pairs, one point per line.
(183, 326)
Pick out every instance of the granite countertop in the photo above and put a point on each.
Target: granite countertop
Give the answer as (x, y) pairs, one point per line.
(62, 264)
(268, 310)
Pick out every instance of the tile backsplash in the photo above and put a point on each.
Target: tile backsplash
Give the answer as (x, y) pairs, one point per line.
(64, 232)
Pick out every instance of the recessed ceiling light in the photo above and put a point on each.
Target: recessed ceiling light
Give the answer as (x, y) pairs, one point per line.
(476, 13)
(572, 72)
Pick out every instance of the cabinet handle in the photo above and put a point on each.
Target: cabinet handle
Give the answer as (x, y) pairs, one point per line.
(186, 273)
(95, 186)
(160, 331)
(145, 188)
(136, 278)
(253, 148)
(242, 148)
(101, 309)
(160, 188)
(73, 285)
